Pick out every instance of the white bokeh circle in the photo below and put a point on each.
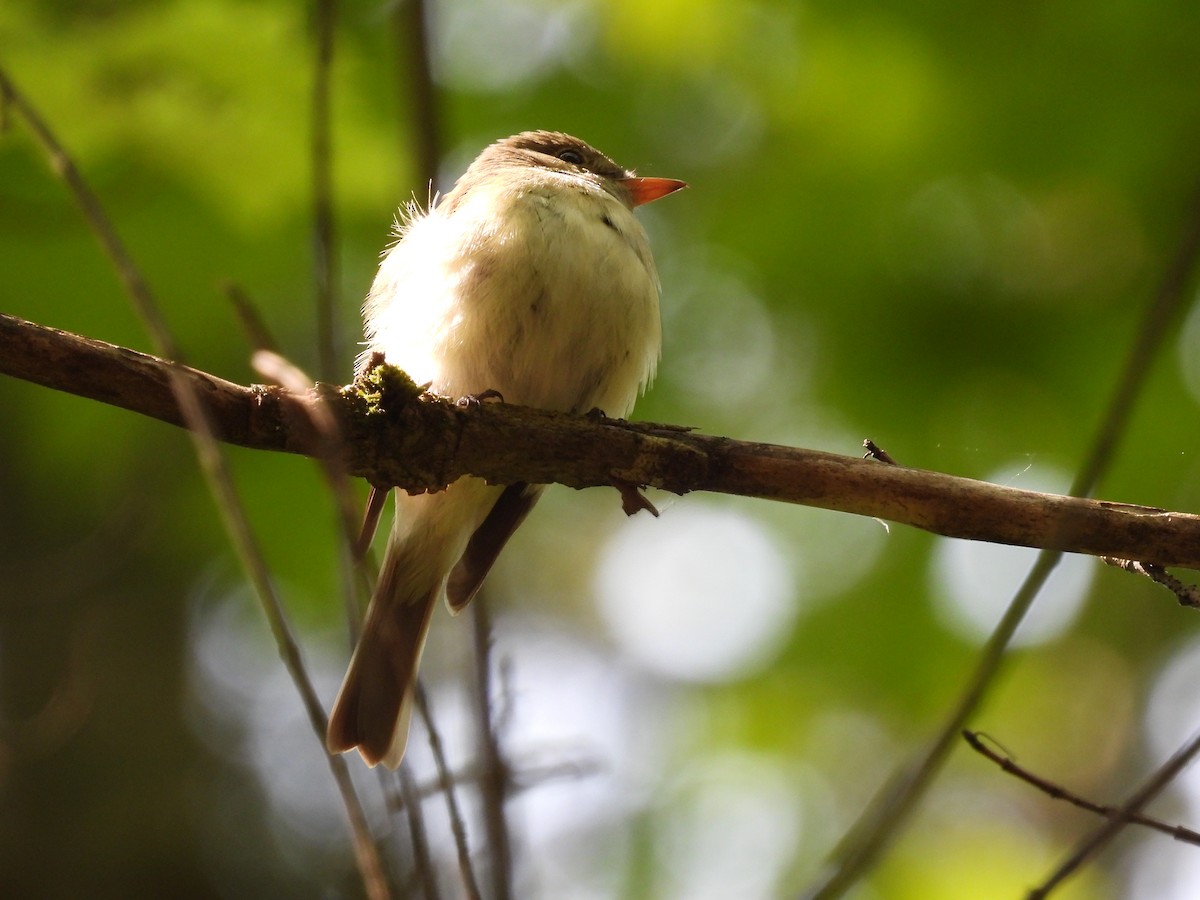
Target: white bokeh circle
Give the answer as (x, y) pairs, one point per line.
(975, 581)
(702, 594)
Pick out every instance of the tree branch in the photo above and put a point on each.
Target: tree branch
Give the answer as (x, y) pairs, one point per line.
(395, 434)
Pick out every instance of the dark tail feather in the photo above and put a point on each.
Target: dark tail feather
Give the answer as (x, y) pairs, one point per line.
(374, 706)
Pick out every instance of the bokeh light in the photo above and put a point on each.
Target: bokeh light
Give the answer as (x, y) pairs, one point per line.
(933, 230)
(975, 581)
(709, 598)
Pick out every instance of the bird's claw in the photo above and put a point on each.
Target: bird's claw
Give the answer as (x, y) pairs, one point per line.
(473, 401)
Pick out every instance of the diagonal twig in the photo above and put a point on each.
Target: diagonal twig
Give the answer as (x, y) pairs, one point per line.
(212, 463)
(250, 318)
(886, 815)
(1187, 594)
(1090, 846)
(357, 584)
(446, 781)
(977, 742)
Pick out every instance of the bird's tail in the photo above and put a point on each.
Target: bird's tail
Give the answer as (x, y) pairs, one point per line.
(374, 706)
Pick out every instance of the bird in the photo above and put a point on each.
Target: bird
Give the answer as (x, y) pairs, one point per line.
(531, 280)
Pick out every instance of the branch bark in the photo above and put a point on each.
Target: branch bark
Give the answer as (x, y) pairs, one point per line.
(395, 434)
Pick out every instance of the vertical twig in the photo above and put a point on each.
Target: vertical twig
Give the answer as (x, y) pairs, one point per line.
(214, 467)
(493, 775)
(422, 860)
(884, 818)
(446, 781)
(411, 30)
(324, 250)
(412, 27)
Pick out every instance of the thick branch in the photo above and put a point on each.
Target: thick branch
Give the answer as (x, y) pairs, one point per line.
(396, 435)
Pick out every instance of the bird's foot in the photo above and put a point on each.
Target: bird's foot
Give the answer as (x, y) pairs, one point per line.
(472, 401)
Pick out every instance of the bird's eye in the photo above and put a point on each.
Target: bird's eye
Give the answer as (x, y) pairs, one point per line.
(570, 155)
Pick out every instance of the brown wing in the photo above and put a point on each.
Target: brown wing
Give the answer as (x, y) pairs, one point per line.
(488, 540)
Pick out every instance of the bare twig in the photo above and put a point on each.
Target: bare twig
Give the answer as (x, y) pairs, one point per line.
(356, 586)
(521, 777)
(494, 780)
(446, 782)
(94, 216)
(977, 742)
(887, 814)
(251, 320)
(890, 809)
(250, 554)
(1118, 818)
(324, 245)
(1187, 594)
(411, 22)
(422, 860)
(194, 415)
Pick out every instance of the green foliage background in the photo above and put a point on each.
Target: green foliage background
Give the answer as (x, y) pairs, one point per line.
(947, 218)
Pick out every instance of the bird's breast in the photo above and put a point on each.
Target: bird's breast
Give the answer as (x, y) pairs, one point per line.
(547, 294)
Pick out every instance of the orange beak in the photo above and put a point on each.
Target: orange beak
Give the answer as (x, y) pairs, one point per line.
(643, 190)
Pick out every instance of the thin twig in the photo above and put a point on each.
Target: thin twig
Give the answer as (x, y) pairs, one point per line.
(94, 216)
(250, 318)
(237, 525)
(422, 859)
(493, 788)
(895, 802)
(1187, 594)
(411, 33)
(521, 777)
(411, 21)
(291, 378)
(215, 469)
(325, 268)
(1090, 846)
(457, 825)
(886, 815)
(356, 585)
(977, 743)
